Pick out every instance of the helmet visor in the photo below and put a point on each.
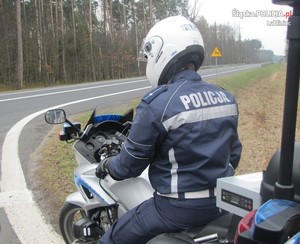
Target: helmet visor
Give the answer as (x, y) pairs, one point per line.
(142, 56)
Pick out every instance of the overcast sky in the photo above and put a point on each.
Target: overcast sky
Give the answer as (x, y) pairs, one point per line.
(265, 24)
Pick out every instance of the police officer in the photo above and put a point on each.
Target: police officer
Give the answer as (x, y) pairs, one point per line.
(185, 130)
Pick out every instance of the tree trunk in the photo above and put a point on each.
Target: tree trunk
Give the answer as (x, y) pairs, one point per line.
(111, 32)
(45, 47)
(39, 41)
(63, 42)
(57, 66)
(136, 37)
(91, 41)
(151, 12)
(20, 47)
(145, 20)
(75, 41)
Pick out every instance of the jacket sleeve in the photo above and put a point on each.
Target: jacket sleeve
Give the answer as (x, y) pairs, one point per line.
(138, 150)
(236, 151)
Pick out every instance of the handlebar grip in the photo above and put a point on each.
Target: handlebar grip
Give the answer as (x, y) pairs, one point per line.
(120, 136)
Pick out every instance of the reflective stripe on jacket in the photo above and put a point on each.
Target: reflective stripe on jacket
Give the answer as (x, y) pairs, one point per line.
(186, 132)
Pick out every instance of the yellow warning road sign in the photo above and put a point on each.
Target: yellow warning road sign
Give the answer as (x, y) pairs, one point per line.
(216, 53)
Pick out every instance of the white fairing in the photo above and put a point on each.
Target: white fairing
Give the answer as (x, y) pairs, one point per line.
(130, 192)
(126, 193)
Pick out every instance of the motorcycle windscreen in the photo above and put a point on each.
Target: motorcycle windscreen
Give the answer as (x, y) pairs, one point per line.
(128, 116)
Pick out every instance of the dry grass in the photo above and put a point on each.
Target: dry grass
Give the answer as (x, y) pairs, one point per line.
(53, 175)
(260, 124)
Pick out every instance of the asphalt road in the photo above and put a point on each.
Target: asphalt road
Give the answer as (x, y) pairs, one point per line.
(22, 130)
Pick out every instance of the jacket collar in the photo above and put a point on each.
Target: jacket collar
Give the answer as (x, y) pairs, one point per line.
(184, 75)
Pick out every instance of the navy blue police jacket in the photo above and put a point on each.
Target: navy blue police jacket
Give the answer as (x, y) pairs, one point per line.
(186, 132)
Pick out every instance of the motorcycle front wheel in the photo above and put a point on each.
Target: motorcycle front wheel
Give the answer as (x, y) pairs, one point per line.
(69, 215)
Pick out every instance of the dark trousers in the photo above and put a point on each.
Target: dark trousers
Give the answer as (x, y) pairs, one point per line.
(160, 215)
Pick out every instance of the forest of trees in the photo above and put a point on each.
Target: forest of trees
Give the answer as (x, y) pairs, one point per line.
(49, 42)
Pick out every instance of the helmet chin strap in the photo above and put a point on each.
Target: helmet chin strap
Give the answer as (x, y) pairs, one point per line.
(173, 69)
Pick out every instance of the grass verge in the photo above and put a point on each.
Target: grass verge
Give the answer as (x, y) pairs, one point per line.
(238, 81)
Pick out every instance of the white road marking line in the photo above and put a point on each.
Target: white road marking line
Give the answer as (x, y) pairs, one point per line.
(108, 85)
(68, 91)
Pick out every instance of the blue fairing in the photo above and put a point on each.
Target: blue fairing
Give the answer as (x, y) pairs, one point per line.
(271, 208)
(107, 117)
(79, 181)
(295, 239)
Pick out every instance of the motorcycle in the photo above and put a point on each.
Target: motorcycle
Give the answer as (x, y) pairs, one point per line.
(98, 203)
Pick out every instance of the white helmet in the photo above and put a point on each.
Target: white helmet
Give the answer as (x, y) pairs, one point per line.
(170, 45)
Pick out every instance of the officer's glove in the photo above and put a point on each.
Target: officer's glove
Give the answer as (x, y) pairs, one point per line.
(102, 169)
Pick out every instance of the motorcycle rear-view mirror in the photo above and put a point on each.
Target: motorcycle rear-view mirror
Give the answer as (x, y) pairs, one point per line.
(55, 116)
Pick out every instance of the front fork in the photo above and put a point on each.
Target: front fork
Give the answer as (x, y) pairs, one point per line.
(98, 218)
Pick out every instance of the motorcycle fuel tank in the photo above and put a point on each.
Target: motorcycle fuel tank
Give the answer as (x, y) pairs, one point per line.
(130, 192)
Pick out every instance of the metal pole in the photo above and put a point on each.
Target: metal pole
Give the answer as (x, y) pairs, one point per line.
(216, 67)
(284, 188)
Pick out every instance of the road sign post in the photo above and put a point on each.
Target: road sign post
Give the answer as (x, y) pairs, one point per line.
(215, 54)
